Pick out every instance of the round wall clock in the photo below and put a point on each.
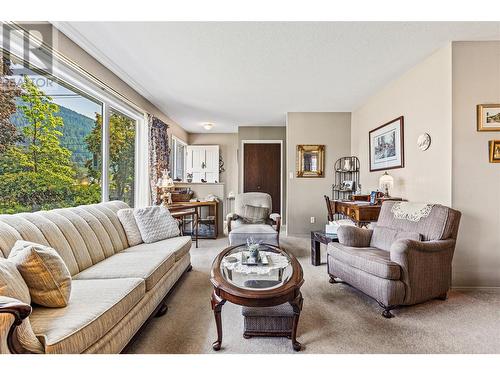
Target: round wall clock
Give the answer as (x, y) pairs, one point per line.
(424, 141)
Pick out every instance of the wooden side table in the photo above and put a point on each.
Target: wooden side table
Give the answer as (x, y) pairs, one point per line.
(317, 238)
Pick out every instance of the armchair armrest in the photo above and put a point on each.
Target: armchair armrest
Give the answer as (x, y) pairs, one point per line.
(401, 247)
(230, 217)
(425, 266)
(277, 219)
(12, 314)
(354, 236)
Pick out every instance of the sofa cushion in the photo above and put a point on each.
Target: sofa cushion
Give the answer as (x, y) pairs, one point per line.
(384, 237)
(95, 307)
(132, 262)
(180, 246)
(258, 232)
(156, 223)
(126, 217)
(368, 259)
(12, 288)
(241, 227)
(44, 271)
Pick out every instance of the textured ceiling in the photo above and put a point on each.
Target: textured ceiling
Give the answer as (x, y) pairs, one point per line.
(252, 73)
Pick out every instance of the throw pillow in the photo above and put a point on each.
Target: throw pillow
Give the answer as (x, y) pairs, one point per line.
(156, 223)
(255, 214)
(126, 217)
(12, 288)
(44, 271)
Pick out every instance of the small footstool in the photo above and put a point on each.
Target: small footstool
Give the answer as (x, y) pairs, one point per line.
(276, 321)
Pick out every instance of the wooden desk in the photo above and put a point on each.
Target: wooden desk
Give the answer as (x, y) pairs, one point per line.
(181, 214)
(213, 211)
(360, 213)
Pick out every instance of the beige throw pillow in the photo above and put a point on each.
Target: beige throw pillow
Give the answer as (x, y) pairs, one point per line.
(12, 288)
(126, 217)
(255, 214)
(44, 271)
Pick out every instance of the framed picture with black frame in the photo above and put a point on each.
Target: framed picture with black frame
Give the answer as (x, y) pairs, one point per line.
(387, 146)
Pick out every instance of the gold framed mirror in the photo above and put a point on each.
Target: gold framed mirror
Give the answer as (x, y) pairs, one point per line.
(310, 160)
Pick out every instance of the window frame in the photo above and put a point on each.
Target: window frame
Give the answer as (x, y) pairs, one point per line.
(176, 140)
(74, 77)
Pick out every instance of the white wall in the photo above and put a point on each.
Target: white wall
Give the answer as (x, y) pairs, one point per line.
(423, 97)
(476, 182)
(305, 195)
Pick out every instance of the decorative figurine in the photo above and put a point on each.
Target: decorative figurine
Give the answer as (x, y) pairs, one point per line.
(253, 249)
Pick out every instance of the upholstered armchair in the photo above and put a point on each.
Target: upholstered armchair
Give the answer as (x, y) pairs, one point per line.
(253, 218)
(404, 260)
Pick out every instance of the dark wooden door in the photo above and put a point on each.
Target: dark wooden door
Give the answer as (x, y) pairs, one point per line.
(262, 170)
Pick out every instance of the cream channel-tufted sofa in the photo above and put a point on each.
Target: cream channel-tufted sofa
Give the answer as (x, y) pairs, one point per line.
(115, 288)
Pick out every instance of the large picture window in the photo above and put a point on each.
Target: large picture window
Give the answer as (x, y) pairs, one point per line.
(178, 159)
(55, 150)
(45, 148)
(122, 131)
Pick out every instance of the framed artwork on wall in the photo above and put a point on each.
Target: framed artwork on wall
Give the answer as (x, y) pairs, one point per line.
(494, 151)
(310, 160)
(488, 117)
(387, 146)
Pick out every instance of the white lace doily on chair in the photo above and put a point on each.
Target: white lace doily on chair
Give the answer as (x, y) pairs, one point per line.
(411, 211)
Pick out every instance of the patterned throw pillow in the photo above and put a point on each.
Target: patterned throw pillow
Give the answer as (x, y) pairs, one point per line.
(44, 271)
(12, 288)
(255, 214)
(156, 223)
(127, 218)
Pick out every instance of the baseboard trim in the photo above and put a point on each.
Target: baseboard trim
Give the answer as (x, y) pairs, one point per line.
(485, 288)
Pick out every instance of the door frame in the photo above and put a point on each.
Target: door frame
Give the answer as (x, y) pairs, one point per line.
(242, 163)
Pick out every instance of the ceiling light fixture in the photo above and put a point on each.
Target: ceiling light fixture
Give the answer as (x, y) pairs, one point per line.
(208, 126)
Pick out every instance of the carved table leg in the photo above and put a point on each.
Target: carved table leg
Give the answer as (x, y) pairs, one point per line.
(297, 308)
(217, 304)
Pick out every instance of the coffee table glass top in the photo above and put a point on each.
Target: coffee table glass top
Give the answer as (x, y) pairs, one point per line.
(271, 270)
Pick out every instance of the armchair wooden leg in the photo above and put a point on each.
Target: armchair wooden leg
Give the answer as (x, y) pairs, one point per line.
(332, 280)
(443, 297)
(387, 313)
(387, 310)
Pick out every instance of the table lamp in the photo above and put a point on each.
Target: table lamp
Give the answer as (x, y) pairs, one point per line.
(386, 182)
(165, 183)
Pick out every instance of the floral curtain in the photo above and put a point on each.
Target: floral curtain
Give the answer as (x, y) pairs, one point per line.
(159, 153)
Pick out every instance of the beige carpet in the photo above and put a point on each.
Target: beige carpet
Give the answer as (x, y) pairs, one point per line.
(335, 318)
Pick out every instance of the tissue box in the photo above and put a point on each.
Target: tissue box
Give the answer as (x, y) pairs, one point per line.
(332, 227)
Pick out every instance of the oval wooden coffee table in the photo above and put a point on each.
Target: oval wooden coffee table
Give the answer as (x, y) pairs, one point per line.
(267, 284)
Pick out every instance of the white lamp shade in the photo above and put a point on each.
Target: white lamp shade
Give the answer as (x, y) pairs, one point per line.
(386, 181)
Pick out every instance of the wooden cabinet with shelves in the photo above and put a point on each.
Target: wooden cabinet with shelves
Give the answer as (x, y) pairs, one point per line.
(203, 162)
